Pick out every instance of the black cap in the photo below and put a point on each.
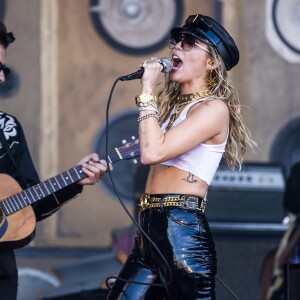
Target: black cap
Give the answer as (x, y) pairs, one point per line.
(212, 33)
(5, 38)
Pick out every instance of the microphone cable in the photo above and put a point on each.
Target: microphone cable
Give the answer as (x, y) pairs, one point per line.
(124, 206)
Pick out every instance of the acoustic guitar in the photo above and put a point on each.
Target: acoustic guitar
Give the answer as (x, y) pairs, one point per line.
(17, 218)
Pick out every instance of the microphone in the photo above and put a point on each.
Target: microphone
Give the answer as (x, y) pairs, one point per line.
(165, 62)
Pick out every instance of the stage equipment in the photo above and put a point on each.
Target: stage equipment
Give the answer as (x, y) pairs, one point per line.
(292, 274)
(165, 63)
(253, 195)
(283, 27)
(245, 213)
(285, 148)
(127, 25)
(122, 125)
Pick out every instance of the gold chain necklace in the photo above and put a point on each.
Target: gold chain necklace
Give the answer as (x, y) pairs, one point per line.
(193, 96)
(182, 101)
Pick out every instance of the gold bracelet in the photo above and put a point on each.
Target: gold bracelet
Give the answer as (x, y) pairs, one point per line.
(151, 105)
(143, 99)
(154, 115)
(148, 108)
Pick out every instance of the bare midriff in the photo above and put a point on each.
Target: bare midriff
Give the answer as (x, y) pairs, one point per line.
(166, 180)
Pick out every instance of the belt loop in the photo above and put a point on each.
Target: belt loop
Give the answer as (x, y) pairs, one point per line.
(203, 204)
(161, 202)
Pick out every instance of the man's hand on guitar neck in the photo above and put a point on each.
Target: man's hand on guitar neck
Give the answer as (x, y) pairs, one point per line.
(93, 167)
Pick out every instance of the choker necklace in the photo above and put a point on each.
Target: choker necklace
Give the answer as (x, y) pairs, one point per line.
(182, 101)
(193, 96)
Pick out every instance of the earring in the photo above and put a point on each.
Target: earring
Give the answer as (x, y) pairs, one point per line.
(211, 62)
(211, 80)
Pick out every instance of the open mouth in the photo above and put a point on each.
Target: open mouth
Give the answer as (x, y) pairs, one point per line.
(177, 63)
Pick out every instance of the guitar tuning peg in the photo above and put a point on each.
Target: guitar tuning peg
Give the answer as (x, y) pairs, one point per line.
(135, 161)
(133, 137)
(124, 142)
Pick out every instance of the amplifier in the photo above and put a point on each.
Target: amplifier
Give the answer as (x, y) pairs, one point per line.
(292, 275)
(252, 195)
(245, 213)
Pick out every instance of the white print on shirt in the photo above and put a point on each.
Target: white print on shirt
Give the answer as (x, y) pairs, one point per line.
(9, 127)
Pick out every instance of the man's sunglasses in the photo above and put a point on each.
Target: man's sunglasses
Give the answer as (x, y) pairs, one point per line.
(5, 69)
(187, 42)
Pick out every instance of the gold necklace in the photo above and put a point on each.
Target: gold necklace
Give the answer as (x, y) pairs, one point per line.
(182, 101)
(193, 96)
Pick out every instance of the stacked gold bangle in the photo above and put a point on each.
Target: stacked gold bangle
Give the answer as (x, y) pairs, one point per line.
(147, 102)
(151, 106)
(144, 99)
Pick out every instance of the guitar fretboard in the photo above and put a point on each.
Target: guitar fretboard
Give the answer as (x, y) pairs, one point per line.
(29, 196)
(37, 192)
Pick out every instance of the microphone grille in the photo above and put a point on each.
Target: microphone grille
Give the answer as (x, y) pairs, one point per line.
(167, 65)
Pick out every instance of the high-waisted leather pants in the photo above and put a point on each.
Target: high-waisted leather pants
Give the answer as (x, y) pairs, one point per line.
(184, 239)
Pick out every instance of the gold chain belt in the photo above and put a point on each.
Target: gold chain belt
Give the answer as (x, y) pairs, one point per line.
(148, 201)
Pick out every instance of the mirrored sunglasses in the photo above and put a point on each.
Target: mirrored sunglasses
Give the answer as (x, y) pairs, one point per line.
(187, 42)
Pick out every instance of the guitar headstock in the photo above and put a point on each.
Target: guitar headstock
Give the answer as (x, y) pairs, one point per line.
(130, 149)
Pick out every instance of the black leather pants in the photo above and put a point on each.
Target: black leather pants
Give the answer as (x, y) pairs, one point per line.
(184, 239)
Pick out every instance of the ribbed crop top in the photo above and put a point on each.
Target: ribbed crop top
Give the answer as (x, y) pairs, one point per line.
(203, 160)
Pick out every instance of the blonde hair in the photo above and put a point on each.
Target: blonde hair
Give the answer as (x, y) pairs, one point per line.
(239, 137)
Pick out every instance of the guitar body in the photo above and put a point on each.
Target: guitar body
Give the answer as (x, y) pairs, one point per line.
(17, 229)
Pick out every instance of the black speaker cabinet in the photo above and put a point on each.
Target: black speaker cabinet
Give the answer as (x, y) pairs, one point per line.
(292, 276)
(242, 264)
(245, 212)
(254, 206)
(254, 194)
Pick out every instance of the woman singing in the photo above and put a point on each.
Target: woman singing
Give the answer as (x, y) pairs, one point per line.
(184, 131)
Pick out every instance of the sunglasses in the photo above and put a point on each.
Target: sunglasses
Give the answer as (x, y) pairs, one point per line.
(5, 69)
(187, 42)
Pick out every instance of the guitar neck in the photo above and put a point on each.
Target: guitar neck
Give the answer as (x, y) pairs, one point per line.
(37, 192)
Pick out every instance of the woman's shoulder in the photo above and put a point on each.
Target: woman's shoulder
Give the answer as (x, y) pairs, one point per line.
(212, 103)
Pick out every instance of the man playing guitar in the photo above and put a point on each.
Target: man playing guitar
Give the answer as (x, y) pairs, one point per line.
(15, 161)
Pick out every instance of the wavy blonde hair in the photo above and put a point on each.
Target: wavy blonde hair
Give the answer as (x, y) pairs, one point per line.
(239, 137)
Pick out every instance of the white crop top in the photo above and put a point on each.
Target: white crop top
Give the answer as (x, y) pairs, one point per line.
(203, 160)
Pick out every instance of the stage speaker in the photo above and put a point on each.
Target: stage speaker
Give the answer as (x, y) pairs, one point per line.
(245, 213)
(252, 195)
(122, 126)
(292, 279)
(127, 25)
(241, 261)
(285, 147)
(282, 28)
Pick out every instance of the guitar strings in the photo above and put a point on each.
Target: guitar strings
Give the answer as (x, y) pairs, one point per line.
(31, 195)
